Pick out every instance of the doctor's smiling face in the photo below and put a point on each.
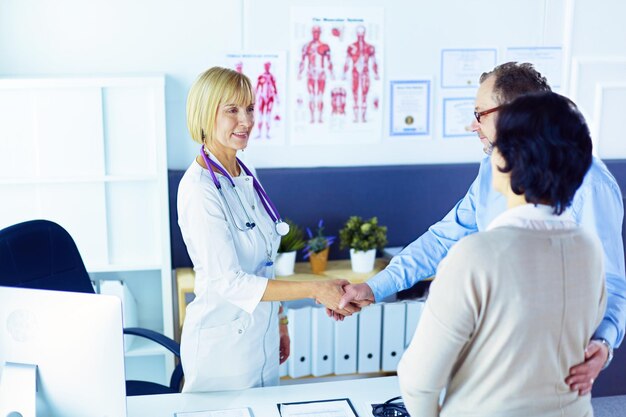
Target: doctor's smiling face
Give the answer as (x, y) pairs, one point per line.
(485, 101)
(233, 124)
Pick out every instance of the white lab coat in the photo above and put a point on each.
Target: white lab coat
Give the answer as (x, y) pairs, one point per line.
(230, 338)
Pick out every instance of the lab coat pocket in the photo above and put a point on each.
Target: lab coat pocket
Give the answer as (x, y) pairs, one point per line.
(237, 326)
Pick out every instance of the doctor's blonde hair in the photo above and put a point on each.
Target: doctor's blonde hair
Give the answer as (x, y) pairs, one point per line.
(213, 87)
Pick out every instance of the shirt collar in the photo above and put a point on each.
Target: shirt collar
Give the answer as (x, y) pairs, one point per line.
(534, 217)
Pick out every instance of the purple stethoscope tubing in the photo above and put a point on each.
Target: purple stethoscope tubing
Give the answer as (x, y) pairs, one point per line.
(270, 208)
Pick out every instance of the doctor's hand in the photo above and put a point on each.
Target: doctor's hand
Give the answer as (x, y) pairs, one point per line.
(582, 376)
(284, 342)
(330, 292)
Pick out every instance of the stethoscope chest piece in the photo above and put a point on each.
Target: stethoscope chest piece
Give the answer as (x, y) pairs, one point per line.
(282, 228)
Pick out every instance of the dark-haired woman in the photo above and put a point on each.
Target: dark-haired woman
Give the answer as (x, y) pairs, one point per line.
(513, 308)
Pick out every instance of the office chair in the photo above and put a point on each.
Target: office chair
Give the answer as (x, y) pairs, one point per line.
(40, 254)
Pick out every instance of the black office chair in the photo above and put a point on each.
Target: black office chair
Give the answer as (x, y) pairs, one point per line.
(41, 254)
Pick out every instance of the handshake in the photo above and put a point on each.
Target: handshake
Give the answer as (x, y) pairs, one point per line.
(341, 298)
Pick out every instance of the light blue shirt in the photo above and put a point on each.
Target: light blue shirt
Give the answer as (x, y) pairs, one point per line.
(597, 207)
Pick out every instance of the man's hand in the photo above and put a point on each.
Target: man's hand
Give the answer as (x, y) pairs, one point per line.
(284, 342)
(582, 376)
(356, 296)
(330, 294)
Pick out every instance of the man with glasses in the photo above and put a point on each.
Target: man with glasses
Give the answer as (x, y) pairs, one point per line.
(597, 206)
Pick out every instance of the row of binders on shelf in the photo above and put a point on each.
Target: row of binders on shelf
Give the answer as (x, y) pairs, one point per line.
(372, 340)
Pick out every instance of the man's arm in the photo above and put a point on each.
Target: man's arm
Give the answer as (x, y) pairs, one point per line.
(600, 210)
(419, 260)
(598, 207)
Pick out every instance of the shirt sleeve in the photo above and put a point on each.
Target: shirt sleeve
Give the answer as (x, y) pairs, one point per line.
(599, 208)
(445, 327)
(212, 249)
(419, 259)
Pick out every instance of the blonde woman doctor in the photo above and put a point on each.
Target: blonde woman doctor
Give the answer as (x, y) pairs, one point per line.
(231, 336)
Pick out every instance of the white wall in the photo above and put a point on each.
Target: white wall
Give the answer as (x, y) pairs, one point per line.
(183, 38)
(598, 77)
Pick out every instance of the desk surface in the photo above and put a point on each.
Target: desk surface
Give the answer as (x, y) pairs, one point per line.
(262, 401)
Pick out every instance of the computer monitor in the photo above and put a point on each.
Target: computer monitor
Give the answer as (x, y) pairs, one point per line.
(72, 342)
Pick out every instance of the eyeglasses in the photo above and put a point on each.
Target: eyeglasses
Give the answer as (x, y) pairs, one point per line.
(390, 408)
(479, 114)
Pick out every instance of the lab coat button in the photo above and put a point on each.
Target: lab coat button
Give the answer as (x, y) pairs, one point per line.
(240, 331)
(253, 207)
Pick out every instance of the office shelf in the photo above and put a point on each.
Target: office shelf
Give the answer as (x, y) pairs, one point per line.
(89, 153)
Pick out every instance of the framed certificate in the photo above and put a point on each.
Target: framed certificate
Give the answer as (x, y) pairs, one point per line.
(410, 108)
(462, 68)
(457, 116)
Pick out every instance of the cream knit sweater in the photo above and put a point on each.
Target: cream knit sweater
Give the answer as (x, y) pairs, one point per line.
(510, 311)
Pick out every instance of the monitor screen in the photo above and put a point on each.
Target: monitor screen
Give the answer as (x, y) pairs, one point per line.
(75, 341)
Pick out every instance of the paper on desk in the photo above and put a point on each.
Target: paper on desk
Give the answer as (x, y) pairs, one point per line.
(327, 408)
(235, 412)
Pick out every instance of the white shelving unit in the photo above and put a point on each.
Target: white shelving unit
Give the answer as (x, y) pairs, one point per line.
(90, 154)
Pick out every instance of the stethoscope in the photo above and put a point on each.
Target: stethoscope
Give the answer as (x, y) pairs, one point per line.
(280, 226)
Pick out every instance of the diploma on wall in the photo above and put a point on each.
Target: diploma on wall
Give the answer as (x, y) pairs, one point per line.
(547, 60)
(410, 108)
(458, 114)
(462, 68)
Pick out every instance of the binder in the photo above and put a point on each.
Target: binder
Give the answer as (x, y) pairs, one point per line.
(413, 313)
(345, 345)
(129, 306)
(369, 337)
(300, 341)
(393, 335)
(322, 338)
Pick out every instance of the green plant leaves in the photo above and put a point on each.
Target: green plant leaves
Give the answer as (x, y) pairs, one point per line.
(362, 235)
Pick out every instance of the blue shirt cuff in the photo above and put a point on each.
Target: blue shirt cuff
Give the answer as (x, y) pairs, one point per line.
(382, 285)
(607, 331)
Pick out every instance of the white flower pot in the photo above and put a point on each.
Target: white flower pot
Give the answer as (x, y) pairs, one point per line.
(362, 261)
(285, 262)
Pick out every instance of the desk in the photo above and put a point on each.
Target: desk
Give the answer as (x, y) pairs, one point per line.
(262, 401)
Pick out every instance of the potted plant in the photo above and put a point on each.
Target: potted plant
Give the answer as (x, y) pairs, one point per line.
(316, 249)
(363, 237)
(292, 242)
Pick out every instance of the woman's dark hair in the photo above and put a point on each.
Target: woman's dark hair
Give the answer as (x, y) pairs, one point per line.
(546, 146)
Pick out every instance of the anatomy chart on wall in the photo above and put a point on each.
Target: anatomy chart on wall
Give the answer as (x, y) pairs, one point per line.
(267, 72)
(336, 74)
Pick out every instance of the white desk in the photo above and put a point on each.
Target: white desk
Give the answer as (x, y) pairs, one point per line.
(262, 401)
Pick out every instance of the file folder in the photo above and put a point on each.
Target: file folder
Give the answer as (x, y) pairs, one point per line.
(413, 313)
(345, 345)
(322, 337)
(393, 335)
(300, 341)
(369, 336)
